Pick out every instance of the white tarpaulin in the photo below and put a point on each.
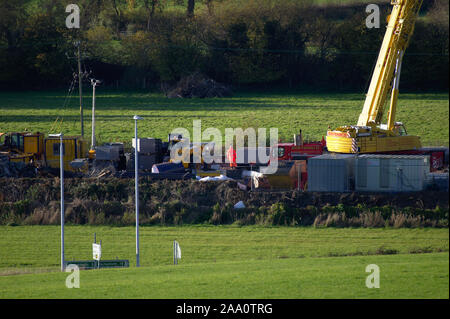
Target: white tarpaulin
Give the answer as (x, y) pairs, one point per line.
(214, 178)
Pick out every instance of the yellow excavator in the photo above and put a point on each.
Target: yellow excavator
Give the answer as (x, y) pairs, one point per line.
(22, 146)
(369, 135)
(35, 148)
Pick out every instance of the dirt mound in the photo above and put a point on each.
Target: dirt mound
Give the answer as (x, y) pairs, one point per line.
(200, 86)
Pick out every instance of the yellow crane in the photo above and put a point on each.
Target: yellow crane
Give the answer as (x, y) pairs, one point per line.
(370, 135)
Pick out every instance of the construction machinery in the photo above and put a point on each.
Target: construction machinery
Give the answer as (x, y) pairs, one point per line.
(299, 149)
(370, 135)
(36, 149)
(23, 147)
(292, 163)
(195, 148)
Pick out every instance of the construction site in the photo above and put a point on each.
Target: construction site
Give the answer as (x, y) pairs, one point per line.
(350, 162)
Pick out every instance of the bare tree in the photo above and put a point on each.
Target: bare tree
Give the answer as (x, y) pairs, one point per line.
(116, 9)
(150, 7)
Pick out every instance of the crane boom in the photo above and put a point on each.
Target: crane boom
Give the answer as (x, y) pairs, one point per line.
(387, 69)
(370, 135)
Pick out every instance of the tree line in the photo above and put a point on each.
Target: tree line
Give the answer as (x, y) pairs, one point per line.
(254, 43)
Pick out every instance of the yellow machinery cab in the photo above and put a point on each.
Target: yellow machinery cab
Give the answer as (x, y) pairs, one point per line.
(23, 146)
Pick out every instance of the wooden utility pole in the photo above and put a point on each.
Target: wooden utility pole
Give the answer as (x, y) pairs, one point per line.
(80, 87)
(190, 8)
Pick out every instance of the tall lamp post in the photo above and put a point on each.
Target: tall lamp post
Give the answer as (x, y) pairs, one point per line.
(61, 173)
(136, 184)
(94, 83)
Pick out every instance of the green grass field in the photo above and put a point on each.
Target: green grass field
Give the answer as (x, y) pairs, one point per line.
(425, 115)
(228, 262)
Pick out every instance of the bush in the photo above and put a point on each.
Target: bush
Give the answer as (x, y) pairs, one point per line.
(191, 202)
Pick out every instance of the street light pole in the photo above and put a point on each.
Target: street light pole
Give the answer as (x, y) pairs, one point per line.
(136, 185)
(94, 83)
(61, 173)
(80, 86)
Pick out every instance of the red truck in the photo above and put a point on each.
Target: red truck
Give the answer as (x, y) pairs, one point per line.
(290, 151)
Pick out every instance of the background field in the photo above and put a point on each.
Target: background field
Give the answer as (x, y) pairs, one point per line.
(229, 262)
(425, 115)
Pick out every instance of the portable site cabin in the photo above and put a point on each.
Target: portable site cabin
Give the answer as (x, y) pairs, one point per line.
(331, 173)
(391, 173)
(73, 147)
(437, 181)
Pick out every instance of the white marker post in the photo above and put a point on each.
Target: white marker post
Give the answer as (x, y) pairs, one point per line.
(176, 252)
(61, 176)
(136, 184)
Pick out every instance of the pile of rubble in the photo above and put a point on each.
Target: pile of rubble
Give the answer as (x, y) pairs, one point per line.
(15, 169)
(200, 86)
(101, 170)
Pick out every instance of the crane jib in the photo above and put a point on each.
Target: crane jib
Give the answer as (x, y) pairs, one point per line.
(398, 33)
(385, 80)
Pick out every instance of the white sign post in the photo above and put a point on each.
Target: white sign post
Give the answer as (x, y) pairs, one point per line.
(97, 252)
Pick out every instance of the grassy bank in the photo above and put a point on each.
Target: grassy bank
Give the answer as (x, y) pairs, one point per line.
(38, 246)
(401, 276)
(229, 262)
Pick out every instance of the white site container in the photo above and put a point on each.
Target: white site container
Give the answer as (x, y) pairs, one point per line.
(331, 173)
(391, 173)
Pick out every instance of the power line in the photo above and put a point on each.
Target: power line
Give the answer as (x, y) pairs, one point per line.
(332, 50)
